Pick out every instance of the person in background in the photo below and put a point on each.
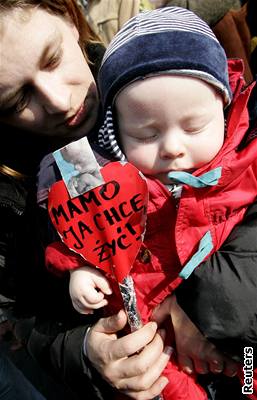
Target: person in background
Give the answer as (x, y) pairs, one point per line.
(210, 11)
(106, 17)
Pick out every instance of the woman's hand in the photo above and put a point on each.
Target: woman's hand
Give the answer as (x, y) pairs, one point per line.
(132, 364)
(194, 352)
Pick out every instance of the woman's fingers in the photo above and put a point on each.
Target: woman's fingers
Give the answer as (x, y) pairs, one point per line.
(216, 366)
(142, 377)
(134, 342)
(152, 357)
(201, 367)
(186, 364)
(219, 362)
(133, 363)
(230, 368)
(149, 393)
(111, 324)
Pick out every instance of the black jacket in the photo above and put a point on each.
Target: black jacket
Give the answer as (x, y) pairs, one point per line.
(221, 295)
(52, 330)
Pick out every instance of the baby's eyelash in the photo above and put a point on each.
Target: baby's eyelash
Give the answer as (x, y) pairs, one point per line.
(146, 139)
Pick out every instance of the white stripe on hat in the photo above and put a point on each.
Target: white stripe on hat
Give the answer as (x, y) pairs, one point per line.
(165, 19)
(107, 138)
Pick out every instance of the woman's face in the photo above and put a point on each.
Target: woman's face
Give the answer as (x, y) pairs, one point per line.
(46, 86)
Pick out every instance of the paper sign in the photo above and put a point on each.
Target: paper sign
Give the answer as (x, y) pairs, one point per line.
(78, 166)
(106, 224)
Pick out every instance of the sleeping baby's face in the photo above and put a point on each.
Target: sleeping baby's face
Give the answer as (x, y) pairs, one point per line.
(170, 123)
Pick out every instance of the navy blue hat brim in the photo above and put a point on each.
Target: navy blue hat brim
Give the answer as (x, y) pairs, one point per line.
(169, 50)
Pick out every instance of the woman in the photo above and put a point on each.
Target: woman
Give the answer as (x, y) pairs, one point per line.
(48, 96)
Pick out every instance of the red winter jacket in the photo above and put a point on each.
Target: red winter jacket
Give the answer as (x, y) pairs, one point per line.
(173, 234)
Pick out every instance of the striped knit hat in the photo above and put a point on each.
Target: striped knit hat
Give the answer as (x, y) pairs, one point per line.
(169, 40)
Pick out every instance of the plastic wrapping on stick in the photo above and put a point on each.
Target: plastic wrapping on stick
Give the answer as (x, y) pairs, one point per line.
(130, 303)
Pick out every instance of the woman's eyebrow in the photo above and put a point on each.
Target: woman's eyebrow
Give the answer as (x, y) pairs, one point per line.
(54, 40)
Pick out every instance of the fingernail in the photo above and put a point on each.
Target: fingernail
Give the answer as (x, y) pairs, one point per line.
(187, 370)
(153, 325)
(163, 383)
(168, 350)
(218, 370)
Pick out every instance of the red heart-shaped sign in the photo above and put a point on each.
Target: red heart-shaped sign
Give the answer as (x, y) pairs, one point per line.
(106, 224)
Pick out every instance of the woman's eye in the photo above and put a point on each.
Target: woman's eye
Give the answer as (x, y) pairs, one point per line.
(22, 103)
(54, 60)
(19, 105)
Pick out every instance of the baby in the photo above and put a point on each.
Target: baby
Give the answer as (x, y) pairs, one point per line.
(166, 112)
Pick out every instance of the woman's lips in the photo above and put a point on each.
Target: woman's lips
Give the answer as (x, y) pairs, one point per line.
(78, 117)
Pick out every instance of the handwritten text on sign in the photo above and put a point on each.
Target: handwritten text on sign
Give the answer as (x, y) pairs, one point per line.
(106, 224)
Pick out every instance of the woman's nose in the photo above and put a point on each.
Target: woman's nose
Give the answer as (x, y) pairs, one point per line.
(171, 146)
(54, 96)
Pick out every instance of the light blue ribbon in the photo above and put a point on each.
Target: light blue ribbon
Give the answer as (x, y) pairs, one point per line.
(205, 247)
(210, 178)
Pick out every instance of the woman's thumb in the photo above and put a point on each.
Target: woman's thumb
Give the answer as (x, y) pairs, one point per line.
(112, 324)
